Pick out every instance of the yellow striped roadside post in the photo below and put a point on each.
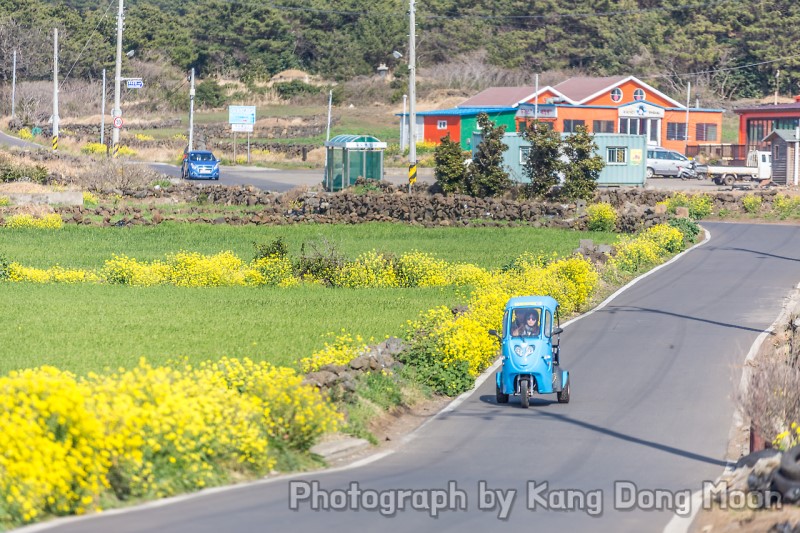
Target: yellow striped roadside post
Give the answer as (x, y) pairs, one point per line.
(115, 151)
(55, 143)
(412, 175)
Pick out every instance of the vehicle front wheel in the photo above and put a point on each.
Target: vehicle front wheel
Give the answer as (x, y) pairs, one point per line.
(525, 401)
(728, 180)
(563, 396)
(501, 398)
(649, 173)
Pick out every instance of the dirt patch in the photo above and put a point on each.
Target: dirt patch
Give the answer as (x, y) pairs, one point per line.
(22, 187)
(746, 521)
(391, 428)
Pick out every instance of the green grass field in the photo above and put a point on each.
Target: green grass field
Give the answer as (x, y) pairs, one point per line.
(88, 247)
(89, 327)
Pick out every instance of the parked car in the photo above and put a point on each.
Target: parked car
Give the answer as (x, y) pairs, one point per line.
(200, 164)
(663, 162)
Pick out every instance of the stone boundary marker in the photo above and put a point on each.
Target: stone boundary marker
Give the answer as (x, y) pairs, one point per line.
(61, 198)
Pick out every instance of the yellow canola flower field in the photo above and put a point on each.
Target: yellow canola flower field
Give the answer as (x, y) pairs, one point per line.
(463, 339)
(146, 432)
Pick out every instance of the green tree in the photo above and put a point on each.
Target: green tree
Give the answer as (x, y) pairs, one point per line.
(210, 94)
(486, 175)
(583, 165)
(450, 171)
(543, 167)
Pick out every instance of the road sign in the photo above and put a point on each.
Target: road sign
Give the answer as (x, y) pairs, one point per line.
(117, 122)
(241, 114)
(242, 128)
(136, 83)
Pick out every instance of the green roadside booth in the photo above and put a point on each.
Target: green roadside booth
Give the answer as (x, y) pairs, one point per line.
(351, 156)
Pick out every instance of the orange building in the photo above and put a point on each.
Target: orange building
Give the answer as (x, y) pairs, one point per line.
(619, 104)
(614, 104)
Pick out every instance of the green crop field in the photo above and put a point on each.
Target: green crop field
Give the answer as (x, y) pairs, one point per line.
(88, 327)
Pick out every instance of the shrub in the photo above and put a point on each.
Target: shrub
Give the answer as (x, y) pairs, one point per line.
(143, 137)
(25, 133)
(89, 199)
(51, 221)
(687, 227)
(602, 217)
(341, 350)
(94, 149)
(4, 264)
(418, 269)
(4, 201)
(370, 269)
(751, 203)
(699, 205)
(320, 261)
(785, 206)
(288, 90)
(276, 248)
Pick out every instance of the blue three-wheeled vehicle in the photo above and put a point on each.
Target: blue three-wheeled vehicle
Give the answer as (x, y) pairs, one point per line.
(529, 346)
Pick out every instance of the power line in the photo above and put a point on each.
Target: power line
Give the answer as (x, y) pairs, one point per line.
(86, 45)
(725, 69)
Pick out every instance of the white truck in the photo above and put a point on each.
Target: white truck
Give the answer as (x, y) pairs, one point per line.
(759, 167)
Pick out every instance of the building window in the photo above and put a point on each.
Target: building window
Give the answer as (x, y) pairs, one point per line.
(616, 94)
(570, 125)
(639, 94)
(706, 132)
(603, 126)
(616, 155)
(676, 131)
(524, 153)
(441, 125)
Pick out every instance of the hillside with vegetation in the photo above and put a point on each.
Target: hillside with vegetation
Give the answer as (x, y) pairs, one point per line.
(728, 49)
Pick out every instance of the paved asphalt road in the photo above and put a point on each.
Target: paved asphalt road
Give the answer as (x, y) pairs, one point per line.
(653, 375)
(270, 179)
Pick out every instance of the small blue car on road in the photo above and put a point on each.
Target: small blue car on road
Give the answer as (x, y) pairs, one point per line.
(529, 347)
(200, 164)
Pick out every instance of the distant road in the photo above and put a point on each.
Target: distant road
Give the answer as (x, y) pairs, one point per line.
(271, 179)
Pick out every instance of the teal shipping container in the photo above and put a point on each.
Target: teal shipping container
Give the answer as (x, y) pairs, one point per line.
(624, 157)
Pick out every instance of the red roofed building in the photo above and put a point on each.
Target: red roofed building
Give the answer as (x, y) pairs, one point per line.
(612, 104)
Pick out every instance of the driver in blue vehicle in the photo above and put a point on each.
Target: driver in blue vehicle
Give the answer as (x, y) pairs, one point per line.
(527, 324)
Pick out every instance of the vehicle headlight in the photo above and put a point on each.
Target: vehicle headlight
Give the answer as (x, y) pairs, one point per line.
(523, 351)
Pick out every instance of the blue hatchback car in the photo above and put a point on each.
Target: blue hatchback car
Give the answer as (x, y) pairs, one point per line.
(200, 164)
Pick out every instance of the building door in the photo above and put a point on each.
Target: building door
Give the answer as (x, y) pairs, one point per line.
(649, 127)
(654, 131)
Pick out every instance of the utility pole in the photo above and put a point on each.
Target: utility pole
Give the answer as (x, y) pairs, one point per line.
(777, 79)
(412, 96)
(330, 104)
(191, 112)
(55, 89)
(103, 113)
(14, 84)
(688, 99)
(117, 112)
(403, 125)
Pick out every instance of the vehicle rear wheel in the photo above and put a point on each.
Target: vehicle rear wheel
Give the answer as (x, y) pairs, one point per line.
(789, 489)
(525, 401)
(563, 396)
(727, 179)
(790, 464)
(501, 398)
(649, 173)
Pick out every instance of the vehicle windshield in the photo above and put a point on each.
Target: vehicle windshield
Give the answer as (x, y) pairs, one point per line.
(525, 322)
(203, 157)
